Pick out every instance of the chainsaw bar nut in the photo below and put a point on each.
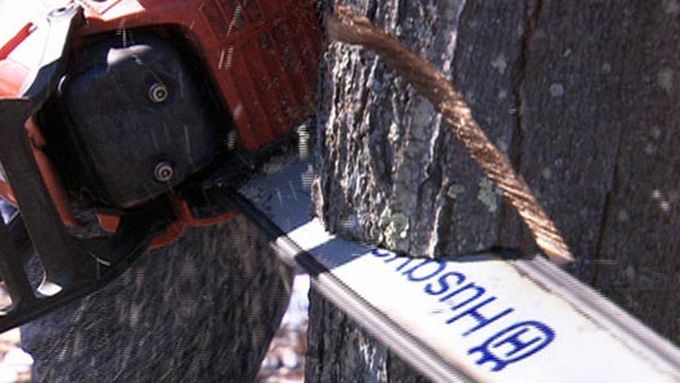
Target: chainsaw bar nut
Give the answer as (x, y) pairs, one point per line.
(158, 92)
(163, 172)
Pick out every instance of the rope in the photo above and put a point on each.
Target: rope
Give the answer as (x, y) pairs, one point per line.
(349, 28)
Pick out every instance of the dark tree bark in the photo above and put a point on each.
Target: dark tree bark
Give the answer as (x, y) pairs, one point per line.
(582, 96)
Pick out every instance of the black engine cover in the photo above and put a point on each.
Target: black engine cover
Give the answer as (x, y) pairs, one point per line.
(136, 120)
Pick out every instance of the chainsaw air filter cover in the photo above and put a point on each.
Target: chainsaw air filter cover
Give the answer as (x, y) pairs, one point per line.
(135, 120)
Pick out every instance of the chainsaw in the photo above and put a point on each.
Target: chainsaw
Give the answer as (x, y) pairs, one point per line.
(122, 122)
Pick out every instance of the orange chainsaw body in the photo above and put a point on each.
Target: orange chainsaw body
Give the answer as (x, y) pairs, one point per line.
(262, 57)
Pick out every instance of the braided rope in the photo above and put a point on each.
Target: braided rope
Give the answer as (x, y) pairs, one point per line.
(429, 81)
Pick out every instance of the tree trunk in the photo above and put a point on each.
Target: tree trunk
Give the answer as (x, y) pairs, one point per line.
(582, 96)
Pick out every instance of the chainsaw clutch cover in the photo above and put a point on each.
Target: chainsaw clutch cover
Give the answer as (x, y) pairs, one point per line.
(137, 124)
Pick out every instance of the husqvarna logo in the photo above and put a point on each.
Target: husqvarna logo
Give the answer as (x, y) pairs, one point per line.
(514, 344)
(502, 336)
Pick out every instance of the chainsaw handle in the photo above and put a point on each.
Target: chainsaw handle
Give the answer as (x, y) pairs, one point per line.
(45, 77)
(40, 216)
(73, 267)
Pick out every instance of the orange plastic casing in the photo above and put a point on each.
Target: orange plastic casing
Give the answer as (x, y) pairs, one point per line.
(262, 56)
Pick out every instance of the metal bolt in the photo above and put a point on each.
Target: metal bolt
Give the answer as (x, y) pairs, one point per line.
(158, 92)
(163, 172)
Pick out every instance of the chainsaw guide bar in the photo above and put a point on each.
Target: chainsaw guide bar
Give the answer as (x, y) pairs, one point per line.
(484, 317)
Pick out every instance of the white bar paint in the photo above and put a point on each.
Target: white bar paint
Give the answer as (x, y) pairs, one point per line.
(485, 318)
